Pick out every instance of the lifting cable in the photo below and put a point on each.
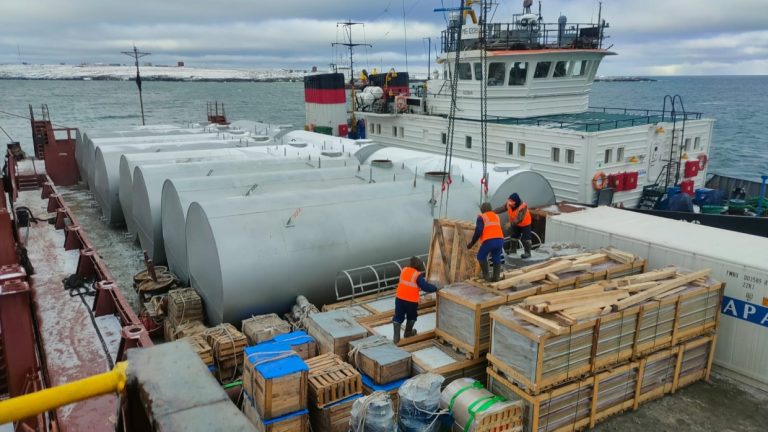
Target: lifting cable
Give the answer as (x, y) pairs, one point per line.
(448, 159)
(484, 5)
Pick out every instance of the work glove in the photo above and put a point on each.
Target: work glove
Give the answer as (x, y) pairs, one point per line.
(469, 245)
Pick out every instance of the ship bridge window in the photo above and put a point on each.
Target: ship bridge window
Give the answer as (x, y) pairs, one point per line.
(444, 138)
(580, 67)
(510, 148)
(378, 128)
(478, 71)
(464, 71)
(496, 72)
(555, 154)
(570, 156)
(561, 69)
(608, 156)
(697, 143)
(521, 149)
(468, 142)
(542, 70)
(518, 73)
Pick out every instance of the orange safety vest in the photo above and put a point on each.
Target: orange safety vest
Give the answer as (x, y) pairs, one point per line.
(407, 288)
(512, 212)
(491, 226)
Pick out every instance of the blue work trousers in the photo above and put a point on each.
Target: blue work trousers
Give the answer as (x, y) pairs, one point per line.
(494, 247)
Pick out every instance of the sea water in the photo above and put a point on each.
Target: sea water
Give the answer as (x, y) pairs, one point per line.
(739, 104)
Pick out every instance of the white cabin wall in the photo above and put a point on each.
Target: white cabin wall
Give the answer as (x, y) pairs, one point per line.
(635, 141)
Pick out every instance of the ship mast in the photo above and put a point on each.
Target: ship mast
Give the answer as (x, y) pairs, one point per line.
(347, 25)
(136, 54)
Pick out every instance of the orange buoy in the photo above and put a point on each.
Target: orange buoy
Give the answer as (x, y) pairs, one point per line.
(599, 181)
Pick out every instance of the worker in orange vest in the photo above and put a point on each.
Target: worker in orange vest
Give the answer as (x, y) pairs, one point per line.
(488, 231)
(407, 297)
(519, 223)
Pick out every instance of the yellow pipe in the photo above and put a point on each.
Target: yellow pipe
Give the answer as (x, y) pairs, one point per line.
(21, 407)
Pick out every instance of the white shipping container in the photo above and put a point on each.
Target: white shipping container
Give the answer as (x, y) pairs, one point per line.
(739, 260)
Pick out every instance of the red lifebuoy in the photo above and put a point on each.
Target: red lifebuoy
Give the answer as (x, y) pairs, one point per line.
(702, 161)
(599, 181)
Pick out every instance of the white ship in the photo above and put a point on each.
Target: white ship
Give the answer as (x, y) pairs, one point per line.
(529, 82)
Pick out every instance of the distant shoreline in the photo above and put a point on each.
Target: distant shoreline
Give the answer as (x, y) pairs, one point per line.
(153, 79)
(625, 79)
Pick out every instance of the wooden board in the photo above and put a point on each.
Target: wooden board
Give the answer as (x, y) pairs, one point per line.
(331, 379)
(449, 259)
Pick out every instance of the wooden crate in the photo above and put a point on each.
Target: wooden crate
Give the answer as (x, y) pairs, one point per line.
(463, 317)
(201, 348)
(331, 379)
(334, 417)
(449, 259)
(173, 331)
(261, 328)
(299, 341)
(227, 344)
(293, 422)
(333, 331)
(275, 378)
(184, 305)
(380, 359)
(377, 306)
(437, 357)
(535, 358)
(382, 326)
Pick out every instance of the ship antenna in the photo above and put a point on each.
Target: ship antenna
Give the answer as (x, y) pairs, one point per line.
(347, 25)
(136, 54)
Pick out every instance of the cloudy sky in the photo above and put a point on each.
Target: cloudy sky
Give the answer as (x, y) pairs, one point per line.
(652, 37)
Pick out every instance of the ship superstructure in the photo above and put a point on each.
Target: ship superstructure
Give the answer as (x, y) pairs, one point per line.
(529, 82)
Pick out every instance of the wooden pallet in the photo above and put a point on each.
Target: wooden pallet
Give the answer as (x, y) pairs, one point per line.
(379, 358)
(331, 379)
(382, 325)
(436, 357)
(449, 259)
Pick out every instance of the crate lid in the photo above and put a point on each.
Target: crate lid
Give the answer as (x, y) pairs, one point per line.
(274, 360)
(338, 324)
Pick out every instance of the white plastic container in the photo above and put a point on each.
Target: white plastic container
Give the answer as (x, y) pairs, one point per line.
(739, 260)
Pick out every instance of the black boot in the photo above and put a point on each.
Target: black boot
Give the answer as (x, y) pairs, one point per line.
(496, 272)
(527, 247)
(396, 336)
(409, 330)
(513, 246)
(484, 269)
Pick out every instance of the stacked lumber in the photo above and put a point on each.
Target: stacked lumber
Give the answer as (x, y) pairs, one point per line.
(261, 328)
(378, 358)
(333, 387)
(227, 344)
(275, 381)
(591, 399)
(201, 347)
(558, 337)
(381, 325)
(449, 259)
(566, 272)
(436, 357)
(333, 331)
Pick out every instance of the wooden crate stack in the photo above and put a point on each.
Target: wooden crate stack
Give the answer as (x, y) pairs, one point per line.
(473, 301)
(550, 339)
(185, 308)
(227, 344)
(591, 399)
(261, 328)
(333, 387)
(333, 331)
(275, 388)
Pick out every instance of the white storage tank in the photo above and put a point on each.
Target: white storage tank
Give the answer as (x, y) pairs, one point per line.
(148, 186)
(739, 260)
(106, 169)
(254, 256)
(179, 193)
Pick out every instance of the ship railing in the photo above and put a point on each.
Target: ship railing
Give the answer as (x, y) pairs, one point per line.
(665, 114)
(533, 35)
(371, 279)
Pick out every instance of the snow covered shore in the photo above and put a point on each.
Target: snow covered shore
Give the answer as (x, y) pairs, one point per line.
(149, 73)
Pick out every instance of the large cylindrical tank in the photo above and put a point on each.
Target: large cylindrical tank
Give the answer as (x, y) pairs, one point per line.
(178, 194)
(148, 185)
(129, 161)
(106, 169)
(89, 153)
(255, 259)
